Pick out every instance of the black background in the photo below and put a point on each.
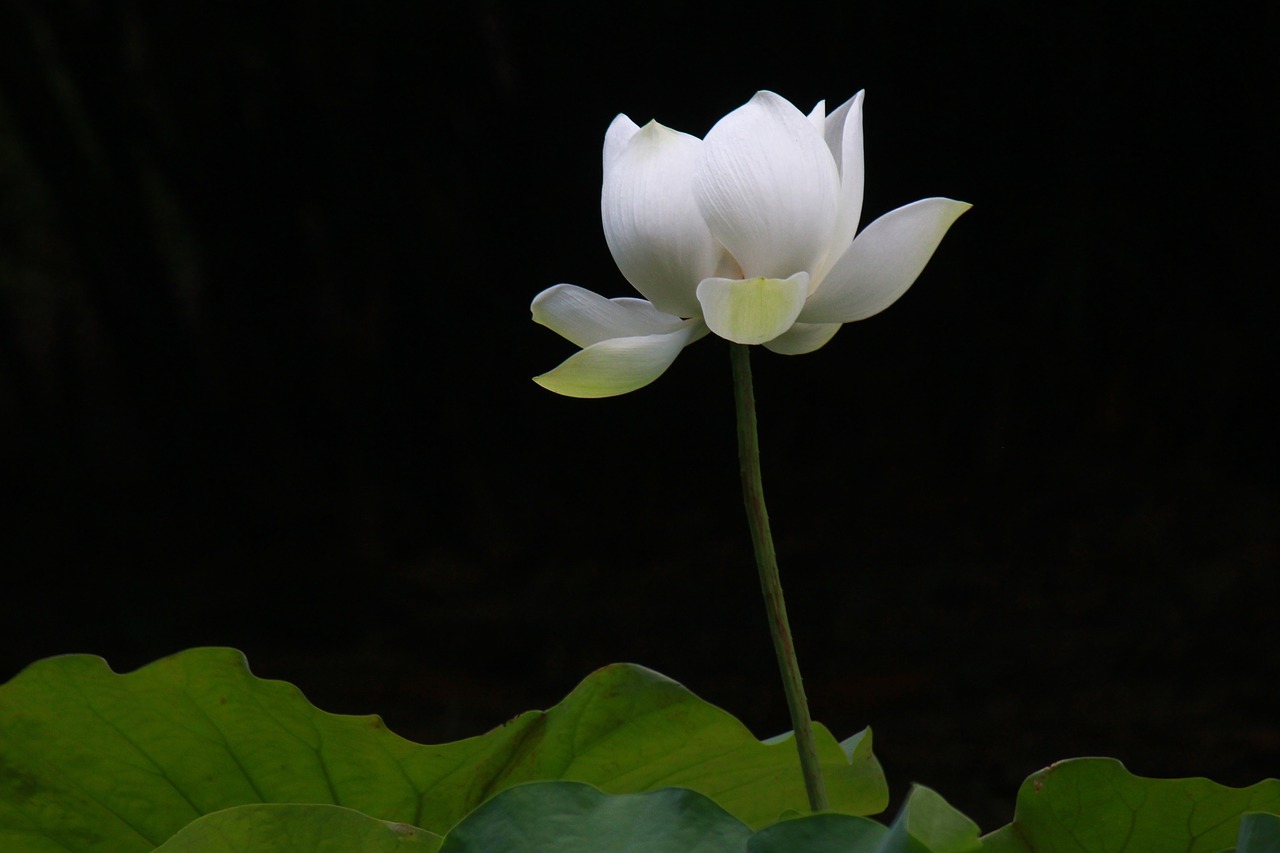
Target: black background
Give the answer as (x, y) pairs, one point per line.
(264, 280)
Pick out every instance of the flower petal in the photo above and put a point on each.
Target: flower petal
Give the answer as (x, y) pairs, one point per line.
(768, 188)
(620, 131)
(843, 134)
(802, 338)
(587, 318)
(818, 116)
(618, 365)
(651, 221)
(755, 310)
(884, 260)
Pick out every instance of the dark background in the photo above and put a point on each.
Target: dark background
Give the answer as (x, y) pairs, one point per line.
(264, 375)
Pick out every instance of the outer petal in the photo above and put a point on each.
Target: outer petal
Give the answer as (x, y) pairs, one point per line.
(802, 338)
(768, 188)
(587, 318)
(651, 221)
(618, 365)
(620, 131)
(883, 262)
(843, 134)
(755, 310)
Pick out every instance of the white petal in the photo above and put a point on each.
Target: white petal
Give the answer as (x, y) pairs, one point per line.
(587, 318)
(618, 365)
(883, 262)
(803, 337)
(768, 188)
(620, 131)
(651, 221)
(818, 117)
(755, 310)
(843, 134)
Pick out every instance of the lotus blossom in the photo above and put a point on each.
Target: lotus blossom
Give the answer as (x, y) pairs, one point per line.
(748, 233)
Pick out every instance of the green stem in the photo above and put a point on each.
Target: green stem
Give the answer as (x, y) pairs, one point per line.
(770, 585)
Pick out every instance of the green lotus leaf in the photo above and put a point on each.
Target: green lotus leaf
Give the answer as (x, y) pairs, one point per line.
(1095, 805)
(1259, 833)
(571, 817)
(927, 822)
(820, 833)
(293, 828)
(93, 760)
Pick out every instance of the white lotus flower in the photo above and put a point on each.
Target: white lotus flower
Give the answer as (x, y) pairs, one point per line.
(748, 233)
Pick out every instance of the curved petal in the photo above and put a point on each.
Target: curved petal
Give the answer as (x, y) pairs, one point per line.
(802, 338)
(883, 262)
(755, 310)
(768, 188)
(843, 134)
(618, 365)
(651, 221)
(620, 131)
(586, 318)
(818, 116)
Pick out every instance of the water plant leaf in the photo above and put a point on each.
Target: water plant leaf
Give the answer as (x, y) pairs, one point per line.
(1095, 805)
(1259, 833)
(820, 833)
(92, 760)
(295, 828)
(928, 822)
(571, 817)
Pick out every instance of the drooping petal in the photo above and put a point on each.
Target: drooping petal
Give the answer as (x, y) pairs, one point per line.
(884, 260)
(802, 338)
(843, 134)
(755, 310)
(651, 221)
(586, 318)
(768, 188)
(618, 365)
(620, 131)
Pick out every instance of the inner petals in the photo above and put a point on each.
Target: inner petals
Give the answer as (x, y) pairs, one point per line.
(768, 187)
(651, 221)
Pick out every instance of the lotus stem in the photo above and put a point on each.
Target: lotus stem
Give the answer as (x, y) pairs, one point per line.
(770, 584)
